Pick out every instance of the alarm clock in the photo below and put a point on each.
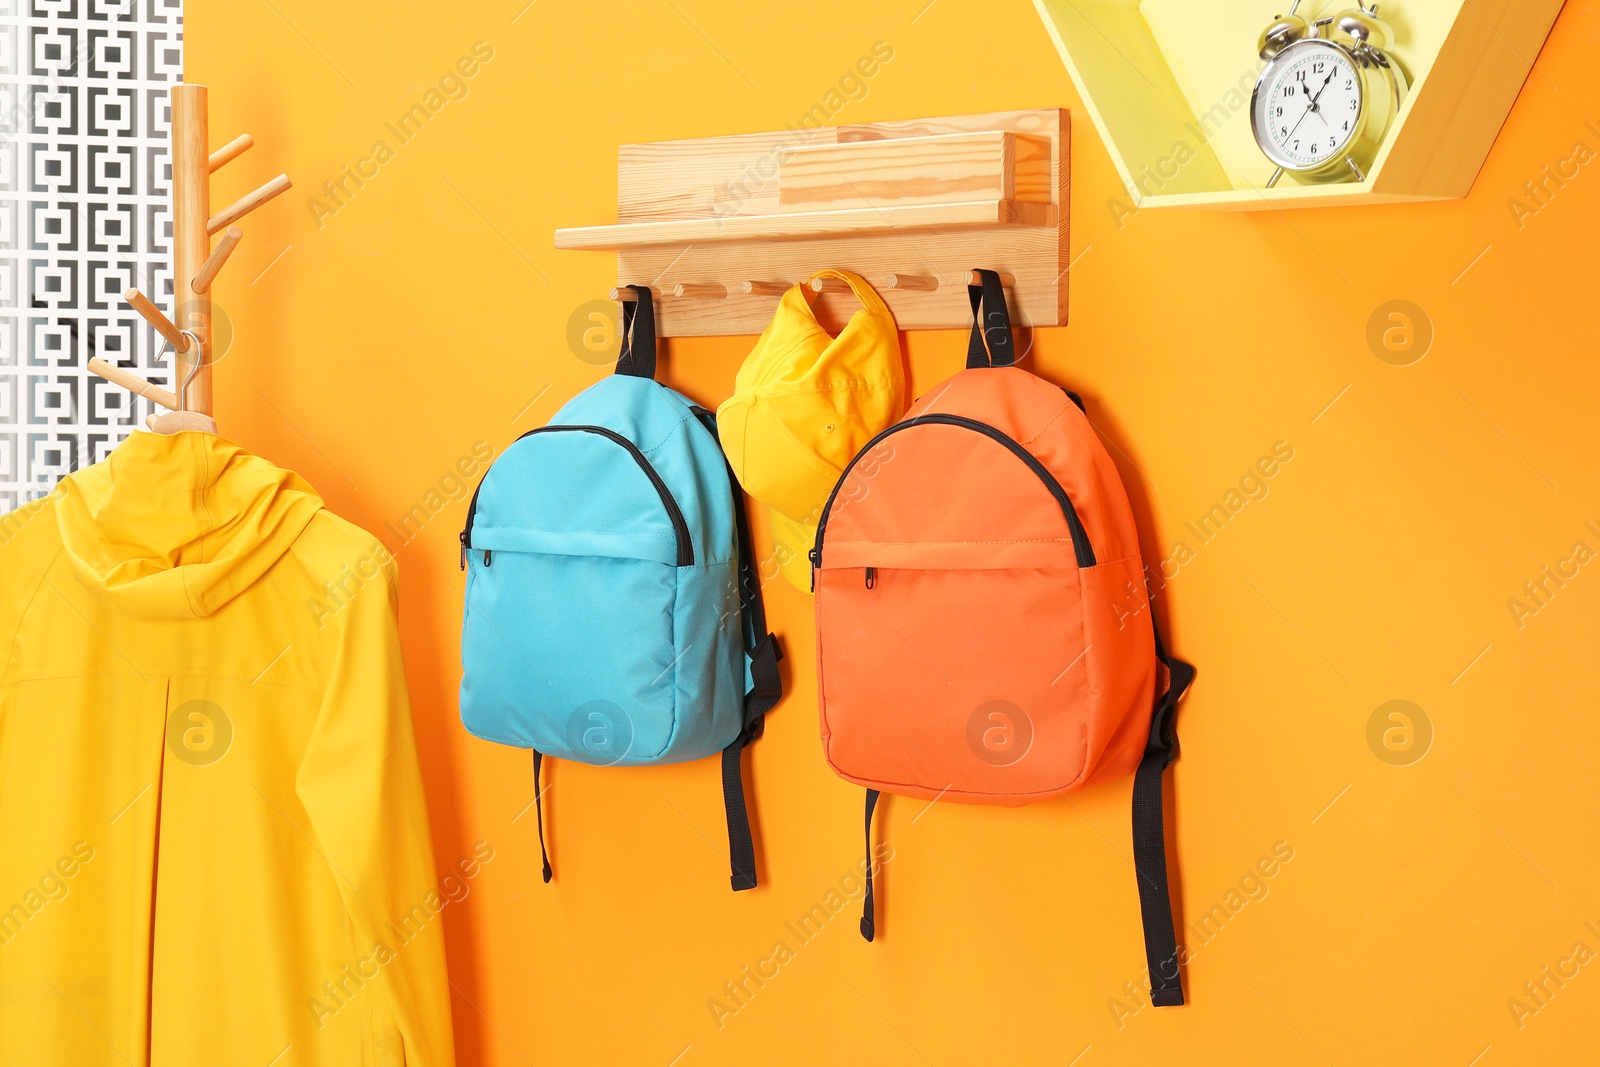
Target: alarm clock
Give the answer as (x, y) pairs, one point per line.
(1329, 92)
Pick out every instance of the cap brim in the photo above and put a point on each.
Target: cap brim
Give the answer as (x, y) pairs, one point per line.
(792, 542)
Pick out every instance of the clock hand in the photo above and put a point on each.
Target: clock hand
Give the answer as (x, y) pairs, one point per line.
(1312, 106)
(1302, 118)
(1325, 84)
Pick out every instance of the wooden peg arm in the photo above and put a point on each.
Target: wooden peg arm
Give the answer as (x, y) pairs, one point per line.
(248, 203)
(153, 315)
(1006, 280)
(133, 383)
(699, 291)
(219, 255)
(230, 151)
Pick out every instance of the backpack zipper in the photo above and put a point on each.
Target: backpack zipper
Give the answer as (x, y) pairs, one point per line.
(872, 577)
(1080, 537)
(680, 527)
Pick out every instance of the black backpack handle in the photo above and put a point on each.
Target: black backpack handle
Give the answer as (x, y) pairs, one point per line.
(638, 358)
(991, 344)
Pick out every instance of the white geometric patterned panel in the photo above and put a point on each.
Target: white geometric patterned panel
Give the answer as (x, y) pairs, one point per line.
(84, 215)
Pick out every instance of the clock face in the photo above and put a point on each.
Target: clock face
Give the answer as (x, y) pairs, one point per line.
(1307, 105)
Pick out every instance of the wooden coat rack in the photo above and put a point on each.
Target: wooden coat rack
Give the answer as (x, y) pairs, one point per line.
(195, 261)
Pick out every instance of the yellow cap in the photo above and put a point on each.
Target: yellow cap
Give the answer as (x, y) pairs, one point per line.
(804, 403)
(791, 546)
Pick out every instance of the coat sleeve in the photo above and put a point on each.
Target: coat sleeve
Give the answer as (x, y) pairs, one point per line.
(361, 787)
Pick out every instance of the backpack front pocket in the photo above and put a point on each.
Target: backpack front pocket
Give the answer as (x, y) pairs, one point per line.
(572, 655)
(955, 683)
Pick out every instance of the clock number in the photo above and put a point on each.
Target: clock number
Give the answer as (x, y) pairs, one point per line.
(1316, 68)
(1313, 149)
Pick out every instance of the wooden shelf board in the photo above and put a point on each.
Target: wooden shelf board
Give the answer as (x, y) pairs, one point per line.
(904, 218)
(1283, 196)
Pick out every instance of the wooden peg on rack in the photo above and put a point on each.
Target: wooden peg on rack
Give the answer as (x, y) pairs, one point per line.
(247, 203)
(1006, 280)
(214, 263)
(920, 283)
(623, 295)
(156, 318)
(133, 383)
(697, 291)
(763, 288)
(829, 285)
(230, 151)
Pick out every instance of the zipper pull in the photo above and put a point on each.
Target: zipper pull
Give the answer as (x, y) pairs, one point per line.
(463, 550)
(486, 557)
(872, 577)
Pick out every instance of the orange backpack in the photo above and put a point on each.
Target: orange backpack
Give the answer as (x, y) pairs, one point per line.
(984, 632)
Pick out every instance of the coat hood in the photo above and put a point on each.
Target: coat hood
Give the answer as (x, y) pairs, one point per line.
(176, 526)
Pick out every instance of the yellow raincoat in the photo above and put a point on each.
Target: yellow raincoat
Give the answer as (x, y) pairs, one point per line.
(213, 844)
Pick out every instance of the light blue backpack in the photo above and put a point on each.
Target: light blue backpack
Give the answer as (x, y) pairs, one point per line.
(613, 608)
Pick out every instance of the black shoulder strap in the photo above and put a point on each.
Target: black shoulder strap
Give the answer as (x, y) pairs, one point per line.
(638, 357)
(990, 344)
(1149, 834)
(869, 907)
(538, 811)
(766, 685)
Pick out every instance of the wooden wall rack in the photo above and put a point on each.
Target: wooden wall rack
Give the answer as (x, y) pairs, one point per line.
(719, 227)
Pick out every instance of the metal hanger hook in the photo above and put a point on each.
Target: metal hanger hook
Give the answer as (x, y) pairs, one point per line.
(194, 366)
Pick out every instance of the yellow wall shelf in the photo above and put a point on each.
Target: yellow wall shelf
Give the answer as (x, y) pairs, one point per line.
(1168, 82)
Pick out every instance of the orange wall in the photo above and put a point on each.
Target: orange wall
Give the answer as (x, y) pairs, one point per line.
(430, 313)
